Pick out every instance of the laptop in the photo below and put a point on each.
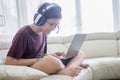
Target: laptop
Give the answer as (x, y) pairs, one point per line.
(75, 45)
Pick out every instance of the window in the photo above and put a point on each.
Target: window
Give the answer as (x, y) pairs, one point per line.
(2, 18)
(8, 17)
(67, 23)
(97, 16)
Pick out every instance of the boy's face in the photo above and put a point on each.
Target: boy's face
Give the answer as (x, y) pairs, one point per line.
(50, 25)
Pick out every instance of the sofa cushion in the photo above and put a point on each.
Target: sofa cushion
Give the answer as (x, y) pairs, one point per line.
(85, 74)
(57, 77)
(105, 68)
(8, 72)
(100, 48)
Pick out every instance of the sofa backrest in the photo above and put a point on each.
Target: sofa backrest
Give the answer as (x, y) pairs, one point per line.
(5, 43)
(101, 45)
(95, 45)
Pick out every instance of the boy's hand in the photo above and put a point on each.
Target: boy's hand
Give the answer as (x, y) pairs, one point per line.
(59, 55)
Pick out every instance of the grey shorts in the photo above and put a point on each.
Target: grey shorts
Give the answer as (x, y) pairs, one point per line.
(65, 61)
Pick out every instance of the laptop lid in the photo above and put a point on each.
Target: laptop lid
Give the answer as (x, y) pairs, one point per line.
(75, 45)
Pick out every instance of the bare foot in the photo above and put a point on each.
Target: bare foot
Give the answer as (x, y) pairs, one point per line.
(70, 71)
(84, 65)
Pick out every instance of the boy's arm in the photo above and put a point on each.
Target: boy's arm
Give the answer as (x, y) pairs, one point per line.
(21, 62)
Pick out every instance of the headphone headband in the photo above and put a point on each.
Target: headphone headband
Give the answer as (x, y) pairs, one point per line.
(47, 8)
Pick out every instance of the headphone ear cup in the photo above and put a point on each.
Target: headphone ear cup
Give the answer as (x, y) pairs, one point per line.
(34, 18)
(39, 19)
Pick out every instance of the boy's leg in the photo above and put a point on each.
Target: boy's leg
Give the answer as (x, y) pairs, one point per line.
(49, 64)
(77, 60)
(74, 66)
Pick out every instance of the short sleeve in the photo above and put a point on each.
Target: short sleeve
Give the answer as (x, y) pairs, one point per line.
(18, 46)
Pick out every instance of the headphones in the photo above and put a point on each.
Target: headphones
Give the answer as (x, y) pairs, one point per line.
(39, 18)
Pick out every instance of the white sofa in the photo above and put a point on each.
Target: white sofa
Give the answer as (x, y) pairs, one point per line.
(102, 51)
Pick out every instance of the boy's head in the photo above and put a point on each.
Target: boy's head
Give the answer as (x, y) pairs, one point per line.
(45, 12)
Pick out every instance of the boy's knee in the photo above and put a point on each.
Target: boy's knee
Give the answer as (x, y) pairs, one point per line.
(54, 63)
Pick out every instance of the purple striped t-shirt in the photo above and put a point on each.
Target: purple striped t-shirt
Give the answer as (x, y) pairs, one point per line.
(28, 44)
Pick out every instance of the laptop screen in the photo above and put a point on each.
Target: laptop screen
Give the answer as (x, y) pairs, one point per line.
(75, 45)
